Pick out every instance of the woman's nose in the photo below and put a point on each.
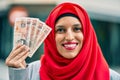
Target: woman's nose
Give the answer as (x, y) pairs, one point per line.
(69, 35)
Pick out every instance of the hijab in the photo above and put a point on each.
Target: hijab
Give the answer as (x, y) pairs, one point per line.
(89, 64)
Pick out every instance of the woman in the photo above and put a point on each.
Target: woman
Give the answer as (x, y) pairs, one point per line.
(71, 51)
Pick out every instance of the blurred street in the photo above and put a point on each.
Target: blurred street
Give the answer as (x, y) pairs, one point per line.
(3, 71)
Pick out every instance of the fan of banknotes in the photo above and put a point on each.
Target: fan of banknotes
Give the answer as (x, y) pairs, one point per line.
(31, 32)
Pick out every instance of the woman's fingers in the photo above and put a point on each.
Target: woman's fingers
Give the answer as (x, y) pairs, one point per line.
(21, 54)
(18, 51)
(17, 61)
(18, 56)
(21, 60)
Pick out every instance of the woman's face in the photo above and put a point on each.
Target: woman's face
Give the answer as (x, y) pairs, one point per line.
(68, 36)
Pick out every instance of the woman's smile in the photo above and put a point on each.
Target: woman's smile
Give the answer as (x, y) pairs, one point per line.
(70, 45)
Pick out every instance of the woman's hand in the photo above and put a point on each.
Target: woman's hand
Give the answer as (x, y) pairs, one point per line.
(17, 56)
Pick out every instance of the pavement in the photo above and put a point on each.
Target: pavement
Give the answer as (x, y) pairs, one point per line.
(4, 70)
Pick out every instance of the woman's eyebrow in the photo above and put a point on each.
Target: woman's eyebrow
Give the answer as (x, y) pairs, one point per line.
(77, 25)
(59, 26)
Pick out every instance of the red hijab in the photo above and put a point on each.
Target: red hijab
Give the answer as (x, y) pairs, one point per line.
(89, 63)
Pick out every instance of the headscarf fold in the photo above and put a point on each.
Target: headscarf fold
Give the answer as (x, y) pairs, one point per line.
(89, 64)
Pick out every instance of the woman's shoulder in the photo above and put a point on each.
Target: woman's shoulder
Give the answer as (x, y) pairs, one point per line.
(34, 70)
(35, 63)
(114, 75)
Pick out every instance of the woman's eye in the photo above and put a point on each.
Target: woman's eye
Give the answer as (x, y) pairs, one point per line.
(77, 29)
(60, 30)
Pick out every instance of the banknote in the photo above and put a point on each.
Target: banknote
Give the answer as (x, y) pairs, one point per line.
(37, 32)
(31, 32)
(29, 22)
(20, 32)
(43, 32)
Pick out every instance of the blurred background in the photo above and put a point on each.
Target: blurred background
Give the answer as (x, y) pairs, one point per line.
(104, 14)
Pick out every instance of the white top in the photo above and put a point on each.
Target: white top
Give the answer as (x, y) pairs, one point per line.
(32, 72)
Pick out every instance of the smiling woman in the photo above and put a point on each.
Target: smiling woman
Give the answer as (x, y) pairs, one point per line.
(71, 50)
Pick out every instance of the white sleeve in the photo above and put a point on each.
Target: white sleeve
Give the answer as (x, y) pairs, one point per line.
(114, 75)
(31, 72)
(18, 74)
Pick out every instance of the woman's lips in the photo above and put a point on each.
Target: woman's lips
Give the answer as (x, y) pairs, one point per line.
(70, 45)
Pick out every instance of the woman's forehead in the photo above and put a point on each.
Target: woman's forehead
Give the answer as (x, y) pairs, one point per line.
(65, 15)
